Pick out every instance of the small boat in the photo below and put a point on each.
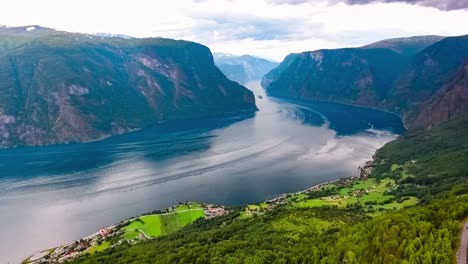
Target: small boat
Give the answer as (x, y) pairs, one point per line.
(260, 96)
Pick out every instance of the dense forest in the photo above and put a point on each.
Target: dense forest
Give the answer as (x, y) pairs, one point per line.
(434, 168)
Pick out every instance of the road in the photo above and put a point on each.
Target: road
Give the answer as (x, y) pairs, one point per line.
(462, 253)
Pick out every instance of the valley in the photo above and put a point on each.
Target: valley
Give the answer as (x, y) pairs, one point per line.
(399, 212)
(228, 131)
(80, 188)
(407, 205)
(367, 195)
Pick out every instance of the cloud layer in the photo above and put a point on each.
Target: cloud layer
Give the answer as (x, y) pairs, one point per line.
(445, 5)
(266, 28)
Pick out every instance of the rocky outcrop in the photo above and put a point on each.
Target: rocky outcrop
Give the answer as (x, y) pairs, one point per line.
(59, 87)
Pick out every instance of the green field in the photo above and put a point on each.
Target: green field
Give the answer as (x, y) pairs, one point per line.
(149, 224)
(370, 193)
(257, 207)
(163, 224)
(375, 192)
(98, 248)
(188, 206)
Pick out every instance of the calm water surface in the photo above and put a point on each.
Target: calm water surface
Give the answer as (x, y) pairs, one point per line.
(54, 195)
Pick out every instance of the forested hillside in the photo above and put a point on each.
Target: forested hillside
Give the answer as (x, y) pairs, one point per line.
(430, 165)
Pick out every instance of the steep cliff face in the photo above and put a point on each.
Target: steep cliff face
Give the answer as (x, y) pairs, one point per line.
(243, 69)
(60, 87)
(358, 76)
(427, 72)
(275, 73)
(446, 104)
(400, 75)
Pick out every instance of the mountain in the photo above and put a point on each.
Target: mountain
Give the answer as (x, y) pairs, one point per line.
(351, 75)
(243, 69)
(406, 46)
(276, 72)
(408, 207)
(428, 71)
(109, 35)
(447, 103)
(60, 87)
(400, 75)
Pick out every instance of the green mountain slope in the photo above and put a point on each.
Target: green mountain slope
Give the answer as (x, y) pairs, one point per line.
(60, 87)
(359, 76)
(407, 76)
(447, 103)
(431, 165)
(273, 75)
(406, 46)
(428, 72)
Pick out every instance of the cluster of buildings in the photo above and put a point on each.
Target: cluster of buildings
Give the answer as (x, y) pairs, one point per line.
(68, 252)
(360, 193)
(212, 211)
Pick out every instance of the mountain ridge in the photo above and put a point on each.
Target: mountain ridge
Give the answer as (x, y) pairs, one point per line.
(406, 46)
(61, 87)
(403, 88)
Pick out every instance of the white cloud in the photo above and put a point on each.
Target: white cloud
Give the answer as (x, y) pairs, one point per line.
(239, 26)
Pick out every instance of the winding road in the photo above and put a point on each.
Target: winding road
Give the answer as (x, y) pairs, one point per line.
(462, 254)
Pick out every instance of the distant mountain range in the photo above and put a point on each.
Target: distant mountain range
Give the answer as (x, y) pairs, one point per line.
(60, 87)
(421, 78)
(243, 69)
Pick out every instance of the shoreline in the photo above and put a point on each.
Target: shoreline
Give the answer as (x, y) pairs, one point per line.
(364, 172)
(283, 195)
(365, 169)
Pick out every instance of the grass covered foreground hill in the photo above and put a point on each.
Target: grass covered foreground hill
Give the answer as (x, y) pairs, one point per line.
(428, 168)
(60, 87)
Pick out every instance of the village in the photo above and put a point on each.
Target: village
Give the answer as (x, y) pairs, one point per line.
(117, 234)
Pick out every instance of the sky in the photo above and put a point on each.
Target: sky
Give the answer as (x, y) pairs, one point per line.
(265, 28)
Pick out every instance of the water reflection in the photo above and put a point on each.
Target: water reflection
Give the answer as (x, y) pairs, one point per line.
(53, 195)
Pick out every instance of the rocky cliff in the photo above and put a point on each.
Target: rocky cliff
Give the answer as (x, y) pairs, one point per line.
(449, 102)
(357, 76)
(275, 73)
(427, 72)
(60, 87)
(409, 76)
